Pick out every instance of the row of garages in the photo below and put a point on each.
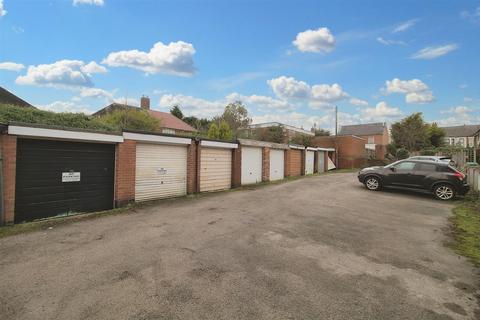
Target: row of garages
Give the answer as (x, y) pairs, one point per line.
(48, 172)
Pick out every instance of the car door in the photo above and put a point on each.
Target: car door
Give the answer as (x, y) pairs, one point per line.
(401, 174)
(424, 175)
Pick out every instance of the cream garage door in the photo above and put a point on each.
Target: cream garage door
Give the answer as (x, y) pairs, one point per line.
(321, 161)
(251, 165)
(161, 171)
(309, 162)
(215, 169)
(277, 160)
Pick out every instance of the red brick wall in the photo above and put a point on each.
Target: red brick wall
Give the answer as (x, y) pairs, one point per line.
(192, 167)
(237, 167)
(351, 149)
(9, 161)
(265, 164)
(293, 163)
(126, 153)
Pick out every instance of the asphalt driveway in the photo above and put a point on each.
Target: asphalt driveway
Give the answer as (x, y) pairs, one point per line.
(316, 248)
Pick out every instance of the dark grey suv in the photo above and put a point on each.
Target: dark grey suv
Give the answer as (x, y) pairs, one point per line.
(439, 178)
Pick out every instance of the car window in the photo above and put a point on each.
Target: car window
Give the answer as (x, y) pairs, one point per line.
(405, 165)
(426, 167)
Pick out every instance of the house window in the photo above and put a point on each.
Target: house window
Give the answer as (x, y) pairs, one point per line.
(371, 140)
(461, 141)
(168, 131)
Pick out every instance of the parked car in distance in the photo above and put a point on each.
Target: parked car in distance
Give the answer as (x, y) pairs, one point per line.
(435, 158)
(437, 177)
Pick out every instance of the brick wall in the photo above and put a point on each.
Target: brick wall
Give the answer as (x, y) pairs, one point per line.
(293, 162)
(9, 162)
(237, 167)
(265, 164)
(125, 172)
(192, 175)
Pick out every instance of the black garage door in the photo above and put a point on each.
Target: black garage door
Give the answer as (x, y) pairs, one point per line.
(58, 177)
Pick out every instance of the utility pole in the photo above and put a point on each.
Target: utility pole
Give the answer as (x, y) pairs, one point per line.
(336, 134)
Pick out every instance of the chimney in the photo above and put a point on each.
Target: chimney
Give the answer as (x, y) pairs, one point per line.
(145, 102)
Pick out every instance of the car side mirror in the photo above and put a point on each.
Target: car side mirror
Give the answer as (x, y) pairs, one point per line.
(392, 169)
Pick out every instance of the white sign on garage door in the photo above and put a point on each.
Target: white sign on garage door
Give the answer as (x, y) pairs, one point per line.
(161, 171)
(309, 161)
(277, 160)
(251, 165)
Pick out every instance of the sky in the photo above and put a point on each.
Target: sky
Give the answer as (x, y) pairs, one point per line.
(287, 61)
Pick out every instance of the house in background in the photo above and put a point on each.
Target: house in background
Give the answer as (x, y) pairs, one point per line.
(463, 136)
(289, 131)
(6, 97)
(374, 133)
(168, 123)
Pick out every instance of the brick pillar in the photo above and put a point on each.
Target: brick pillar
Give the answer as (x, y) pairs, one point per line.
(125, 172)
(265, 164)
(9, 162)
(192, 175)
(198, 166)
(288, 159)
(315, 162)
(237, 167)
(304, 156)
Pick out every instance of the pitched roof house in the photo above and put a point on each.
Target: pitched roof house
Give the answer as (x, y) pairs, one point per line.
(464, 136)
(375, 133)
(6, 97)
(168, 122)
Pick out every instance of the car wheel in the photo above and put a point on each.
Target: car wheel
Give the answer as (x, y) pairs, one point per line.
(444, 192)
(372, 183)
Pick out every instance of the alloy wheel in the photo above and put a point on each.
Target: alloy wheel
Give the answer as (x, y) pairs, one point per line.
(372, 183)
(444, 192)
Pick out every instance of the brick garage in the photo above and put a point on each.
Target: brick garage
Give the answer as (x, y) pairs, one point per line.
(351, 149)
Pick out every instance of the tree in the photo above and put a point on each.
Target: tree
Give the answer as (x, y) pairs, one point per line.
(411, 133)
(177, 112)
(133, 119)
(270, 134)
(213, 132)
(224, 132)
(302, 139)
(320, 132)
(436, 135)
(402, 154)
(201, 125)
(236, 115)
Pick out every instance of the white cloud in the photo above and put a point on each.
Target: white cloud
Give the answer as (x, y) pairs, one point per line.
(415, 90)
(459, 110)
(11, 66)
(288, 88)
(89, 2)
(473, 16)
(388, 42)
(320, 40)
(358, 102)
(261, 102)
(382, 111)
(434, 52)
(127, 100)
(328, 93)
(96, 93)
(64, 106)
(404, 26)
(235, 80)
(193, 106)
(2, 9)
(74, 74)
(175, 58)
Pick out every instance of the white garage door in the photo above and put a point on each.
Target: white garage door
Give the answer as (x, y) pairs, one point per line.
(309, 161)
(321, 161)
(215, 169)
(277, 158)
(251, 165)
(161, 171)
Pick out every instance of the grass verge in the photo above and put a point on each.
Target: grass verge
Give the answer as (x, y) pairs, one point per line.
(466, 228)
(57, 221)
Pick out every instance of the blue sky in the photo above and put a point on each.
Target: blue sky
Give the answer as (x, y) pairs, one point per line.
(287, 61)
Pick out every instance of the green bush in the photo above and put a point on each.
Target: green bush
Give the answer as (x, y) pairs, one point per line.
(9, 114)
(402, 154)
(428, 152)
(133, 119)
